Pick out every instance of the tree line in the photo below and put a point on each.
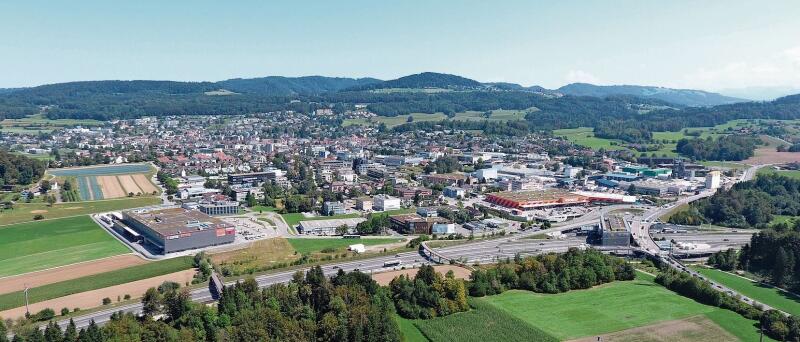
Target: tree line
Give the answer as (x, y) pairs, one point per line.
(550, 273)
(727, 147)
(18, 169)
(751, 204)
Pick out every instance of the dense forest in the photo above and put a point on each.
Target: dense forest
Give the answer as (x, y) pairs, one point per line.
(727, 147)
(746, 205)
(17, 169)
(550, 273)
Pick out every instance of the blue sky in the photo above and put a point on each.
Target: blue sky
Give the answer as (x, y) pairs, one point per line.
(692, 44)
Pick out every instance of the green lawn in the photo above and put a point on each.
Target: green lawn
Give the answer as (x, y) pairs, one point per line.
(24, 212)
(97, 281)
(484, 322)
(763, 293)
(724, 164)
(293, 219)
(311, 245)
(609, 308)
(261, 208)
(409, 331)
(33, 246)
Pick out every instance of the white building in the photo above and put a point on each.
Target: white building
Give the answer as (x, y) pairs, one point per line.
(385, 202)
(443, 228)
(486, 174)
(713, 179)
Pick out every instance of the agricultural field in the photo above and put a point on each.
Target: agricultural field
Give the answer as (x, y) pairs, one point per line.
(109, 182)
(35, 124)
(763, 293)
(97, 281)
(24, 212)
(484, 322)
(313, 245)
(391, 121)
(584, 136)
(787, 173)
(34, 246)
(619, 311)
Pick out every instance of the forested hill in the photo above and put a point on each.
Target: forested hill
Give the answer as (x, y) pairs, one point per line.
(285, 86)
(684, 97)
(425, 80)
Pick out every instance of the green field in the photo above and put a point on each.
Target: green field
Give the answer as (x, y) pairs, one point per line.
(312, 245)
(788, 173)
(35, 124)
(527, 316)
(408, 330)
(762, 293)
(391, 121)
(33, 246)
(97, 281)
(24, 212)
(584, 136)
(724, 164)
(484, 322)
(293, 219)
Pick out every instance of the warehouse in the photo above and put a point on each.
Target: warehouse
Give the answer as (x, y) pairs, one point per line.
(614, 231)
(177, 229)
(526, 200)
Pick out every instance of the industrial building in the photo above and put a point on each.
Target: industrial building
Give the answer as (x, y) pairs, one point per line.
(177, 229)
(415, 224)
(614, 231)
(328, 227)
(713, 180)
(216, 208)
(526, 200)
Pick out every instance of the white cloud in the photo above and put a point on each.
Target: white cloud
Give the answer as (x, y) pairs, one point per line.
(782, 69)
(793, 54)
(580, 76)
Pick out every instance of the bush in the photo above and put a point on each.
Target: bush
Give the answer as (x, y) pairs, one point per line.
(106, 301)
(64, 311)
(38, 217)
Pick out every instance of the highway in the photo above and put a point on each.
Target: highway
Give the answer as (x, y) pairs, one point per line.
(481, 251)
(646, 243)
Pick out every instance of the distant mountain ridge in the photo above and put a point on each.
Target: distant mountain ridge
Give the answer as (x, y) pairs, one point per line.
(425, 80)
(685, 97)
(283, 86)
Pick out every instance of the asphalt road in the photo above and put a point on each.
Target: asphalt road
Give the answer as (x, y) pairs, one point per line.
(478, 251)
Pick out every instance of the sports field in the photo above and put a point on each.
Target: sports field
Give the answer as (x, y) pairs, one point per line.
(621, 309)
(763, 293)
(110, 181)
(33, 246)
(312, 245)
